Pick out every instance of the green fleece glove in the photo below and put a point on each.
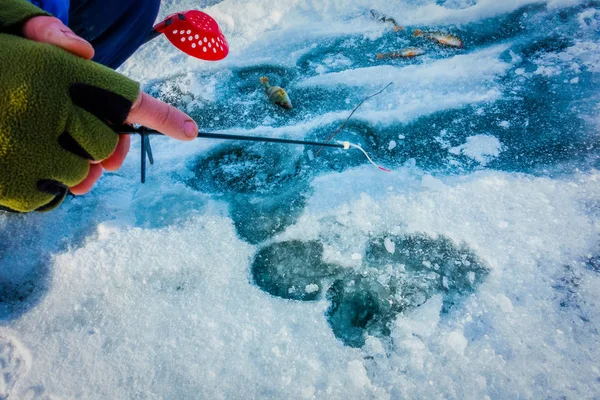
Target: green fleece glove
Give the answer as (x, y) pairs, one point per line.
(56, 114)
(14, 13)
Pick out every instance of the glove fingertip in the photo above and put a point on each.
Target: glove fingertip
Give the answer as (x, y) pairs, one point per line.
(55, 188)
(105, 105)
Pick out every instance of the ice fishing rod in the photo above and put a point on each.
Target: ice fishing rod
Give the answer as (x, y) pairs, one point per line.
(197, 34)
(146, 149)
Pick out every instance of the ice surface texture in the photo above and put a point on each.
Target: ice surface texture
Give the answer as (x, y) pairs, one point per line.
(453, 111)
(262, 271)
(292, 270)
(365, 301)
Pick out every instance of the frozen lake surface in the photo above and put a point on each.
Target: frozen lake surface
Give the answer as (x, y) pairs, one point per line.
(471, 271)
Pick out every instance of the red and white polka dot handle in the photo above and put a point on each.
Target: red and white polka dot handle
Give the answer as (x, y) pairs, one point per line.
(196, 34)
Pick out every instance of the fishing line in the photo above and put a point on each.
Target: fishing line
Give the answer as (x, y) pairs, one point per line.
(366, 155)
(350, 116)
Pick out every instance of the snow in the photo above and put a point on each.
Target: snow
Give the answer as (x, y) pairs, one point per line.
(457, 342)
(481, 148)
(589, 19)
(470, 271)
(423, 89)
(15, 361)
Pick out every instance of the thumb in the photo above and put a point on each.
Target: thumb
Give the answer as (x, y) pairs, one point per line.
(155, 114)
(52, 31)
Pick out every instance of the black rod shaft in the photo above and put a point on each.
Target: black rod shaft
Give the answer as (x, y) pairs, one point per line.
(152, 35)
(149, 149)
(237, 137)
(266, 139)
(143, 149)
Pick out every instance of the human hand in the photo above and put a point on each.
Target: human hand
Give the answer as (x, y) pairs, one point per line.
(59, 115)
(146, 110)
(51, 30)
(153, 114)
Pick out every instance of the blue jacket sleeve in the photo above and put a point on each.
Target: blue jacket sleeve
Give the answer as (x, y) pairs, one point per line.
(58, 8)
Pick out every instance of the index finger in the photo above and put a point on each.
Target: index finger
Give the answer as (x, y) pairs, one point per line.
(154, 114)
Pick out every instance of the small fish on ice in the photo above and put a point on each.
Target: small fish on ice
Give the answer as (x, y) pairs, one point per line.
(276, 94)
(384, 18)
(407, 53)
(441, 38)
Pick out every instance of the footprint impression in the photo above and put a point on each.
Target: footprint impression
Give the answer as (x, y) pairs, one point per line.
(399, 273)
(14, 363)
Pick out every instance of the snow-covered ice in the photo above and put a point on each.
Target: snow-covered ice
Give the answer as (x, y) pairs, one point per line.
(471, 271)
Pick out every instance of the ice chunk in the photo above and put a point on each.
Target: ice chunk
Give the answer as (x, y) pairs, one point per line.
(504, 303)
(481, 148)
(308, 392)
(410, 163)
(390, 246)
(471, 277)
(312, 288)
(547, 71)
(457, 342)
(358, 373)
(109, 228)
(432, 183)
(422, 322)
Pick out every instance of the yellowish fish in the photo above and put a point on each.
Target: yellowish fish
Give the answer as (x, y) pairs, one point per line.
(384, 18)
(406, 53)
(442, 38)
(276, 94)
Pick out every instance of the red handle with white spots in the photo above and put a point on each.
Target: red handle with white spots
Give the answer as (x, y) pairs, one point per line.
(196, 34)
